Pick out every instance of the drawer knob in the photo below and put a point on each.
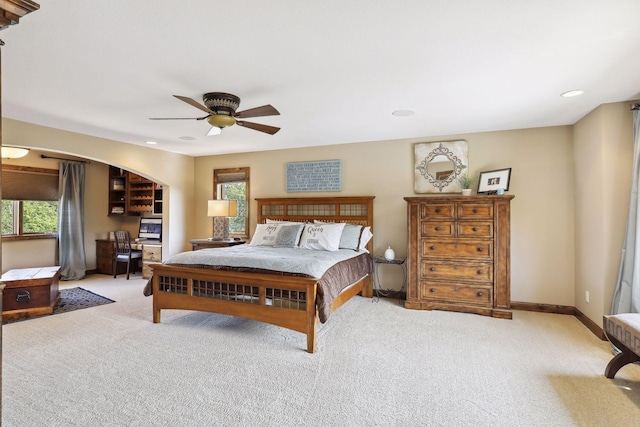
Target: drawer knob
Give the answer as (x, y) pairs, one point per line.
(480, 272)
(480, 249)
(474, 229)
(23, 296)
(437, 228)
(432, 290)
(480, 293)
(475, 210)
(437, 210)
(432, 248)
(432, 269)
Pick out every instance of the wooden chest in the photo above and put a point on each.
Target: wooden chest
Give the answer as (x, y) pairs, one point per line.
(458, 255)
(30, 292)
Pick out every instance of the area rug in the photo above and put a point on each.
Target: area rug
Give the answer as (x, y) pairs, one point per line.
(73, 299)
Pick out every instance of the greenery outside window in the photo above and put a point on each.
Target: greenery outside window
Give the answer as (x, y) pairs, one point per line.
(233, 184)
(29, 217)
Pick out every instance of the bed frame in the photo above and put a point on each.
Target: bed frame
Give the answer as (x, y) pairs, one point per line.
(244, 294)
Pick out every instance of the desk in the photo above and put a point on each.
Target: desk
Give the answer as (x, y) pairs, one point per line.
(30, 292)
(197, 244)
(379, 260)
(105, 251)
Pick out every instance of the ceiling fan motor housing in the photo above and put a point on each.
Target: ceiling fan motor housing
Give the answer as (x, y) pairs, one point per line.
(221, 103)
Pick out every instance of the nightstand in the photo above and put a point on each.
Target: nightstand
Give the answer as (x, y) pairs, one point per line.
(379, 260)
(197, 244)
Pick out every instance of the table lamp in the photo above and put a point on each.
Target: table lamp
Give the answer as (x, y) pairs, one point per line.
(221, 210)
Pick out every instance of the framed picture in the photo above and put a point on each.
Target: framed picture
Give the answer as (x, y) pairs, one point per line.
(492, 181)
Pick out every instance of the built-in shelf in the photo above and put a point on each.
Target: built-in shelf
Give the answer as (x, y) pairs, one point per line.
(131, 194)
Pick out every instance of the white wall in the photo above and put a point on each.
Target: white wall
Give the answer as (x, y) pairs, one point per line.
(603, 153)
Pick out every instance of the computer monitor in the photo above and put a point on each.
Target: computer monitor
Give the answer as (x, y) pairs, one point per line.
(150, 228)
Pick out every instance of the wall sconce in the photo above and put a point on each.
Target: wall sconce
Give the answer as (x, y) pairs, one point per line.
(13, 152)
(221, 210)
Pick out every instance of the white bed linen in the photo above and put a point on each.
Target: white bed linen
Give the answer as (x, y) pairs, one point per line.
(313, 263)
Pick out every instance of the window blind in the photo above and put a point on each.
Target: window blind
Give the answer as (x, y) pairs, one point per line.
(224, 178)
(27, 183)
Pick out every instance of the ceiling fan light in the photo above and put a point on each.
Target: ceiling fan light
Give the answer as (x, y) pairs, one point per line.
(214, 131)
(221, 120)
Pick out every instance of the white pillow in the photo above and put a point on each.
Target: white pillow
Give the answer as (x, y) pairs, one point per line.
(323, 237)
(350, 238)
(265, 235)
(365, 237)
(281, 221)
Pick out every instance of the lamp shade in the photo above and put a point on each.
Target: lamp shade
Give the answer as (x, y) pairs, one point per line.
(223, 208)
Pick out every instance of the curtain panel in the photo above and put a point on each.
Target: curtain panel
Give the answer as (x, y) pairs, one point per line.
(73, 265)
(626, 298)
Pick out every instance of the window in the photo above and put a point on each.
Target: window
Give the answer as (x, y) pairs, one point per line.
(29, 202)
(29, 217)
(233, 184)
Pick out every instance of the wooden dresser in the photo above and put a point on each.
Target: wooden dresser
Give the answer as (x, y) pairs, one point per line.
(458, 255)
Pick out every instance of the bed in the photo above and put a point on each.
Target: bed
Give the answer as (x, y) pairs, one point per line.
(290, 300)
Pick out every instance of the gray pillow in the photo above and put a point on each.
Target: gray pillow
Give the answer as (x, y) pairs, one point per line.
(350, 238)
(289, 236)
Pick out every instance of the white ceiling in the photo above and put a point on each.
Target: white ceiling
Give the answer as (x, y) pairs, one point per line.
(335, 69)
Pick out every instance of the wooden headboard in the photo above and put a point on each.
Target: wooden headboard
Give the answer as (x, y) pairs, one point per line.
(350, 210)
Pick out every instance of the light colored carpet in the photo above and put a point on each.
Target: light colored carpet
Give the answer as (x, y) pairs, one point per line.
(377, 364)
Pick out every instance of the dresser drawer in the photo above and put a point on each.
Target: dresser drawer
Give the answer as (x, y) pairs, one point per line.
(147, 271)
(475, 211)
(152, 253)
(475, 229)
(438, 228)
(478, 272)
(438, 211)
(466, 249)
(105, 249)
(469, 294)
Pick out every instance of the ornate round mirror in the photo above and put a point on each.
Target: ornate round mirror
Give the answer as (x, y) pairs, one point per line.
(439, 165)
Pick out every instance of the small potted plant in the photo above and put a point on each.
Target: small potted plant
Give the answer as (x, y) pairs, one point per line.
(466, 181)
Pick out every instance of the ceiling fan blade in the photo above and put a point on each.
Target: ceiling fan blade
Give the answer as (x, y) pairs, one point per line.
(257, 126)
(178, 118)
(194, 103)
(265, 110)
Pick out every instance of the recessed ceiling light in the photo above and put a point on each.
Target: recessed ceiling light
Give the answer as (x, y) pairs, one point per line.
(572, 93)
(403, 113)
(151, 142)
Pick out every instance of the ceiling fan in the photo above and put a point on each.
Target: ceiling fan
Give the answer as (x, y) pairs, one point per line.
(221, 112)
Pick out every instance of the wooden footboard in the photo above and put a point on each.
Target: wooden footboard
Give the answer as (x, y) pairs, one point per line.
(285, 301)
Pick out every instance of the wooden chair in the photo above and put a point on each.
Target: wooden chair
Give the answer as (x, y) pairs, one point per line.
(124, 253)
